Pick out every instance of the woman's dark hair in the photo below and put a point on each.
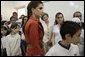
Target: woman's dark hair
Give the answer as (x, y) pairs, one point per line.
(44, 15)
(32, 4)
(69, 27)
(56, 16)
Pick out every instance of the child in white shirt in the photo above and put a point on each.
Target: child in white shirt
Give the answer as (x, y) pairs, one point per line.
(70, 33)
(13, 41)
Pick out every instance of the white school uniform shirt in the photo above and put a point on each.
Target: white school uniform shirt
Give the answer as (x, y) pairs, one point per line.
(47, 32)
(13, 42)
(3, 42)
(58, 50)
(56, 31)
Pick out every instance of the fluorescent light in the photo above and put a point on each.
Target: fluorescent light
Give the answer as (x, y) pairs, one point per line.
(71, 4)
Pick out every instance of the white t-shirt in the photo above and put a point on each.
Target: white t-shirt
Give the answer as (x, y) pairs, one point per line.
(58, 50)
(13, 45)
(56, 31)
(3, 42)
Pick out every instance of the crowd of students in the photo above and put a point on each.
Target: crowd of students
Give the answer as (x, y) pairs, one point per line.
(32, 35)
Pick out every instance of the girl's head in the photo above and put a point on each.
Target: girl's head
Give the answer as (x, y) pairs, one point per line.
(45, 17)
(59, 18)
(4, 31)
(15, 28)
(35, 8)
(24, 20)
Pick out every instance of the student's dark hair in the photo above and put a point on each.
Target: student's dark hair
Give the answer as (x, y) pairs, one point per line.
(32, 4)
(3, 27)
(77, 12)
(44, 15)
(69, 27)
(15, 13)
(14, 25)
(57, 16)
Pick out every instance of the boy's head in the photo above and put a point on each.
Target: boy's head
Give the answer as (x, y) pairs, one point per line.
(70, 31)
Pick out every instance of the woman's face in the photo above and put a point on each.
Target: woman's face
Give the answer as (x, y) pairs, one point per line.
(38, 11)
(60, 19)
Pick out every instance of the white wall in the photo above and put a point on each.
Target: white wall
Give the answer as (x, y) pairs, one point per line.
(66, 7)
(50, 7)
(7, 9)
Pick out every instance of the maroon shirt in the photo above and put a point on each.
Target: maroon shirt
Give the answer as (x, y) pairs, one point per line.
(34, 34)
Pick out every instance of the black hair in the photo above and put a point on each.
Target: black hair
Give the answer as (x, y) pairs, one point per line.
(82, 24)
(14, 25)
(23, 20)
(76, 12)
(32, 4)
(69, 27)
(4, 28)
(57, 16)
(14, 13)
(44, 15)
(2, 22)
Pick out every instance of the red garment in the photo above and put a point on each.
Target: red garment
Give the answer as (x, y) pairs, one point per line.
(34, 34)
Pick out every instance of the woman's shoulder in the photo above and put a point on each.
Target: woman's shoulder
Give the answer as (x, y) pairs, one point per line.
(32, 21)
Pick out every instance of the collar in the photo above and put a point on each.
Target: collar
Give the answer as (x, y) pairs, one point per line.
(64, 45)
